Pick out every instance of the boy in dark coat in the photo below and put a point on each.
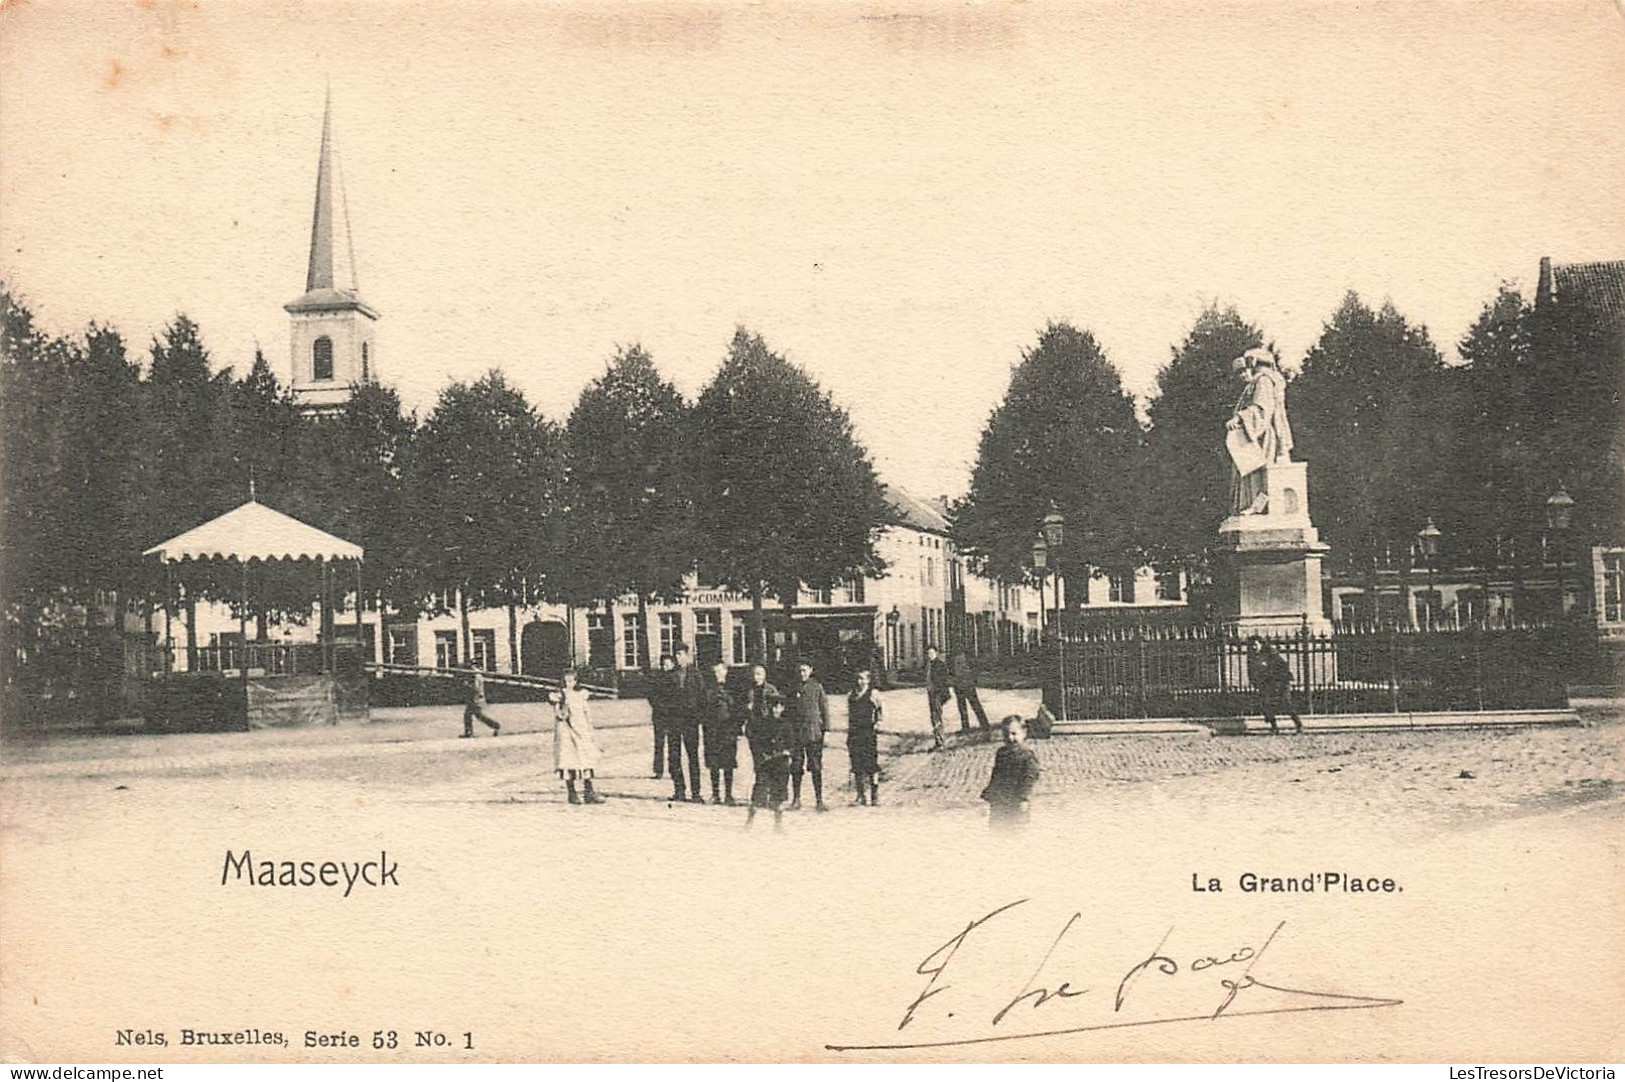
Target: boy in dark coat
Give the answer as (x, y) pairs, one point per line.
(770, 737)
(809, 718)
(659, 695)
(938, 690)
(1015, 772)
(862, 722)
(721, 723)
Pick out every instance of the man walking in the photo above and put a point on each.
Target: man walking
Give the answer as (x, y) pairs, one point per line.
(1272, 676)
(937, 691)
(684, 708)
(474, 707)
(809, 713)
(964, 678)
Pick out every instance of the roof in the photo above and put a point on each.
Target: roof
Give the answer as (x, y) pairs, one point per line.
(1598, 286)
(253, 531)
(915, 512)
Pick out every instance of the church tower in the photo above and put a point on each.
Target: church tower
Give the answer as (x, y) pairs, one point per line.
(333, 329)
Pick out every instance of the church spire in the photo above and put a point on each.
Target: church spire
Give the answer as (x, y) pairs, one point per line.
(332, 327)
(332, 248)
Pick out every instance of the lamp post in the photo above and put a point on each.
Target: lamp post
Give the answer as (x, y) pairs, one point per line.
(1559, 511)
(1040, 563)
(1054, 536)
(893, 618)
(1428, 538)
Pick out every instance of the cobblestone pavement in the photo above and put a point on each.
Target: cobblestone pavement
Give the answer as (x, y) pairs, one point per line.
(1454, 774)
(1417, 776)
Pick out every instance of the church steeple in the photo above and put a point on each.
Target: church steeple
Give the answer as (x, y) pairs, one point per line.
(332, 334)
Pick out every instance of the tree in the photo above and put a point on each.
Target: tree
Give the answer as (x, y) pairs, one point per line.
(101, 411)
(33, 385)
(785, 493)
(1065, 437)
(483, 480)
(628, 469)
(1494, 458)
(1372, 416)
(1571, 408)
(1189, 472)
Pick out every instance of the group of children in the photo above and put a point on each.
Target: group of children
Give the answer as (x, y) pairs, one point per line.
(781, 748)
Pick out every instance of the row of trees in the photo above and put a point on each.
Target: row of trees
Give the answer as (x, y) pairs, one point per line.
(761, 482)
(1392, 434)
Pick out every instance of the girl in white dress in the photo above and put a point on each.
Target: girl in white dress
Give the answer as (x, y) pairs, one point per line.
(575, 747)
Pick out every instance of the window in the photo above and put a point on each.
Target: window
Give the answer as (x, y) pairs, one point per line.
(707, 636)
(321, 358)
(1168, 586)
(1429, 609)
(632, 644)
(671, 633)
(600, 641)
(922, 570)
(1354, 609)
(1120, 587)
(445, 649)
(1613, 587)
(739, 643)
(482, 649)
(930, 571)
(366, 361)
(1469, 607)
(852, 591)
(403, 646)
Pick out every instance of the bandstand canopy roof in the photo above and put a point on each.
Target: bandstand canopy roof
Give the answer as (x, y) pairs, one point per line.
(255, 532)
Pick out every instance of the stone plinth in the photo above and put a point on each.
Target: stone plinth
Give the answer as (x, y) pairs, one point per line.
(1274, 559)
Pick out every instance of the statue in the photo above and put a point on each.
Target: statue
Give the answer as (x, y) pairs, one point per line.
(1257, 434)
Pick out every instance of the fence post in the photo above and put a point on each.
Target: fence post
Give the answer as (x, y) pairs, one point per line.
(1139, 637)
(1308, 668)
(1393, 669)
(1478, 667)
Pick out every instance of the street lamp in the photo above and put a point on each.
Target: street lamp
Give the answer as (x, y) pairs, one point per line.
(1559, 510)
(893, 619)
(1428, 538)
(1040, 563)
(1053, 534)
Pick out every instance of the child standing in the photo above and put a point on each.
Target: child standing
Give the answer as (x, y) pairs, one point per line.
(1015, 772)
(862, 721)
(575, 748)
(720, 727)
(770, 742)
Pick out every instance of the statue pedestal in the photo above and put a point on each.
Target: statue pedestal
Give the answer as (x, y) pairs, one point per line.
(1273, 584)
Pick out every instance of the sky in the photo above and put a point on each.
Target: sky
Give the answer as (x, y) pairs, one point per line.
(897, 197)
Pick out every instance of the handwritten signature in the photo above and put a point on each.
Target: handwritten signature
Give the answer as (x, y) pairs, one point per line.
(1221, 993)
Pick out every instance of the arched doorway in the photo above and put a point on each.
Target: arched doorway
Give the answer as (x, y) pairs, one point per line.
(544, 648)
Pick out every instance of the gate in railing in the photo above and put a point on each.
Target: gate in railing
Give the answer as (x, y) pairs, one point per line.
(1204, 672)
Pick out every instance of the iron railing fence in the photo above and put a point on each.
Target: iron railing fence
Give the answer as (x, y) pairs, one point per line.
(1203, 671)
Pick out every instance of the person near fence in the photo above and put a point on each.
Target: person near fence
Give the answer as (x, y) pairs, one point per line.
(1015, 771)
(938, 690)
(685, 707)
(771, 736)
(658, 691)
(1271, 675)
(474, 706)
(809, 710)
(575, 745)
(862, 750)
(964, 681)
(721, 723)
